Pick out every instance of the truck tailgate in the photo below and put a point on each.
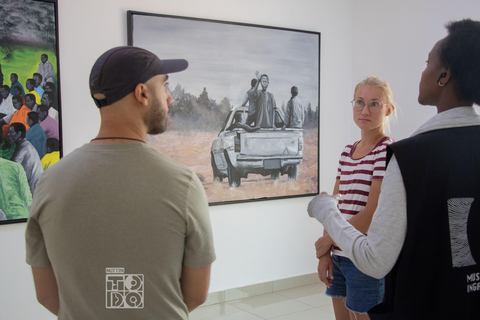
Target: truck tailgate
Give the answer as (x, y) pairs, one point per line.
(269, 143)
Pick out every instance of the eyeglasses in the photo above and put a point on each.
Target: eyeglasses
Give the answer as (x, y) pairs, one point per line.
(373, 107)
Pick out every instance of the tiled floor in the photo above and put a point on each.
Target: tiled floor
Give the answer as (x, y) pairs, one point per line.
(302, 303)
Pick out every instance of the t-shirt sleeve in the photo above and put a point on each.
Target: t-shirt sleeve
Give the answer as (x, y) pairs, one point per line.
(36, 251)
(380, 162)
(345, 152)
(199, 248)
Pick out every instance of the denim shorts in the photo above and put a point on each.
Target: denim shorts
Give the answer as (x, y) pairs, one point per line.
(362, 291)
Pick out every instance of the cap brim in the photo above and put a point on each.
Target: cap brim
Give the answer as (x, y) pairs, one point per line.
(174, 65)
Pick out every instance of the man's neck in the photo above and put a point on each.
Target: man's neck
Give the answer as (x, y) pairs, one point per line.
(119, 134)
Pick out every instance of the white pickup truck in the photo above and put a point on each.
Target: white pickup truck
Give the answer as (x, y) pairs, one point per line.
(240, 149)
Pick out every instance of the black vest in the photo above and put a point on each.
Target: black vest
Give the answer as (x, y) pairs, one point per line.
(437, 275)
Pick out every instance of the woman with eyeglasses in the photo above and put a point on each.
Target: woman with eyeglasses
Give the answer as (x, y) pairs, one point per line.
(360, 172)
(424, 236)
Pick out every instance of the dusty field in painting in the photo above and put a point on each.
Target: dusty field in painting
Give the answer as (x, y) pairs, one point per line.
(192, 148)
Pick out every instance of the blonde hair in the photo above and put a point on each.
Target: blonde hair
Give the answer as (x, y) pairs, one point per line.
(376, 82)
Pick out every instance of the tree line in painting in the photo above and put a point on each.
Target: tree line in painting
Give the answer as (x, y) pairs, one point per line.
(203, 113)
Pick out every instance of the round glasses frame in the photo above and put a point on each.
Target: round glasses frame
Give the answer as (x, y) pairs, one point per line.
(373, 107)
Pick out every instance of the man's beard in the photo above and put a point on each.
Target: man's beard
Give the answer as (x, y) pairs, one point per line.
(155, 121)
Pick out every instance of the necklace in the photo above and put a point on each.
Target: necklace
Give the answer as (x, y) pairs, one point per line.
(123, 138)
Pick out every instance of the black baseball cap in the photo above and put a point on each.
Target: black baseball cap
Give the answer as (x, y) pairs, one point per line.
(117, 72)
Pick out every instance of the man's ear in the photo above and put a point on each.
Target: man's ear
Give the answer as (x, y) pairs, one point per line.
(142, 93)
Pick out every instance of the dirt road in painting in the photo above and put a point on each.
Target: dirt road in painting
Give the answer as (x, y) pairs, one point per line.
(192, 148)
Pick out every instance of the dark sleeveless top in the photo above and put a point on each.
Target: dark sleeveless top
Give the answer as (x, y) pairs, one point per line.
(437, 274)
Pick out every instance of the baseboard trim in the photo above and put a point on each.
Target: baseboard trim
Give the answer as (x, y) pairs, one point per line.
(260, 288)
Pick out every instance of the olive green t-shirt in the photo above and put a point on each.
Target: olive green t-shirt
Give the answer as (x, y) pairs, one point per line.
(117, 222)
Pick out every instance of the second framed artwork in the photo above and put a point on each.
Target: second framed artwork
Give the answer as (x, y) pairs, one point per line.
(246, 113)
(30, 111)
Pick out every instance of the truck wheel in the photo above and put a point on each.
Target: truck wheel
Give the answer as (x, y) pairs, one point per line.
(293, 173)
(216, 172)
(233, 176)
(275, 175)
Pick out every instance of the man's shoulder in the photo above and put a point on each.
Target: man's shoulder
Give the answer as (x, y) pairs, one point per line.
(55, 155)
(23, 148)
(49, 120)
(163, 160)
(133, 160)
(28, 146)
(128, 151)
(256, 92)
(35, 130)
(165, 168)
(8, 164)
(297, 101)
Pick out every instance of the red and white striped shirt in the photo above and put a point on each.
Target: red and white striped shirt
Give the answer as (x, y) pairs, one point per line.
(356, 177)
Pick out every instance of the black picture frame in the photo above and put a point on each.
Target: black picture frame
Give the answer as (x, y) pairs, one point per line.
(223, 59)
(29, 44)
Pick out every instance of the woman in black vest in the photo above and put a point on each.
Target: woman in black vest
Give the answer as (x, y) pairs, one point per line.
(424, 234)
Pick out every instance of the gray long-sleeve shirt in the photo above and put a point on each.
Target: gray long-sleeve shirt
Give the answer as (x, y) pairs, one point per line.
(377, 253)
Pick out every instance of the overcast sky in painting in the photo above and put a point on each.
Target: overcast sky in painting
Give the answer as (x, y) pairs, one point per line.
(223, 57)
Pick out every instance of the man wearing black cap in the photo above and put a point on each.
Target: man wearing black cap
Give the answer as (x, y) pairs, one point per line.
(117, 230)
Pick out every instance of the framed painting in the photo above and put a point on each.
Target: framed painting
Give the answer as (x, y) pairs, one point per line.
(245, 115)
(30, 113)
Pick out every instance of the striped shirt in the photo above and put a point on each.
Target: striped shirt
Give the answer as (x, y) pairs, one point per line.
(356, 175)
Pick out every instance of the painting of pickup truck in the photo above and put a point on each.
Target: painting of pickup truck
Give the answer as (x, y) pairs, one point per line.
(240, 149)
(210, 127)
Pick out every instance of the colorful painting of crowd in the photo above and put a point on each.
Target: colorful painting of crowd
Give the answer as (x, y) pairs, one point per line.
(29, 139)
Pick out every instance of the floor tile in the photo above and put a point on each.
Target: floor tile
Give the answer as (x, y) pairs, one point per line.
(215, 298)
(300, 303)
(328, 307)
(221, 311)
(270, 305)
(310, 314)
(313, 295)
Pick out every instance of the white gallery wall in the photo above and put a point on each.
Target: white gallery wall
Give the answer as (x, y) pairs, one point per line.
(392, 39)
(258, 241)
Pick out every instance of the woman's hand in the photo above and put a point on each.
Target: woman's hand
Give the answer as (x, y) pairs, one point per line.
(323, 245)
(325, 269)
